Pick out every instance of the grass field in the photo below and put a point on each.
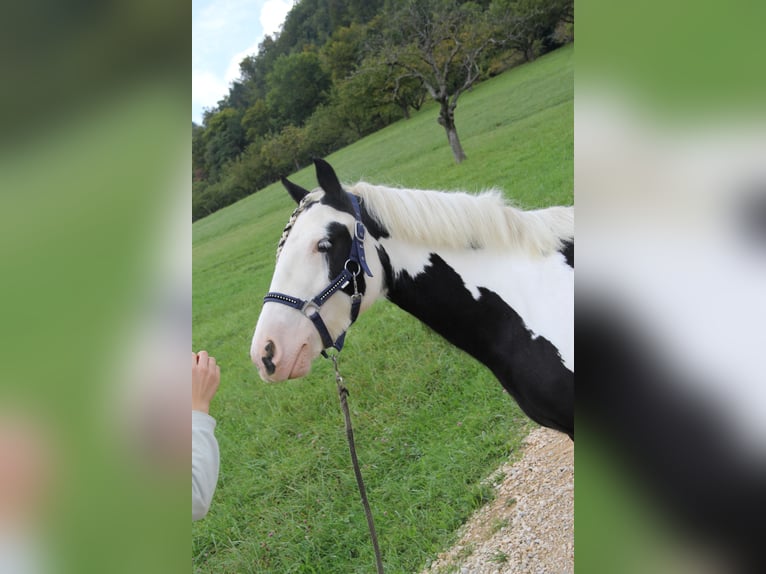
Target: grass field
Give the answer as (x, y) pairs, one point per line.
(430, 422)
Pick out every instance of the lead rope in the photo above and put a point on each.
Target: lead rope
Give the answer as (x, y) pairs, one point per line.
(343, 394)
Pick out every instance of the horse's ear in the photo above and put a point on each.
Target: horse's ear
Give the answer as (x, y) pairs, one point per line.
(327, 179)
(295, 191)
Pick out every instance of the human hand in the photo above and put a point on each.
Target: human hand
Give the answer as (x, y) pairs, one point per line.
(206, 375)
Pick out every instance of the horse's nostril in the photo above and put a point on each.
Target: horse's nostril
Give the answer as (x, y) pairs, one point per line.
(267, 359)
(269, 364)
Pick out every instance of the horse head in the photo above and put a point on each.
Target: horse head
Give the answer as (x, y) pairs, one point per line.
(322, 280)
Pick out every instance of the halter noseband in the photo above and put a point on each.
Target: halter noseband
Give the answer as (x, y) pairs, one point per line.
(311, 307)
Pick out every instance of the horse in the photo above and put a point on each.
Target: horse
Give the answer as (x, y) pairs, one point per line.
(494, 280)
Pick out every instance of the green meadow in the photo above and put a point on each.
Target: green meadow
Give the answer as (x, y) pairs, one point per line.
(430, 422)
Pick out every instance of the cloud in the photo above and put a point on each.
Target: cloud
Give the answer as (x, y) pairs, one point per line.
(219, 30)
(217, 15)
(207, 89)
(232, 70)
(273, 15)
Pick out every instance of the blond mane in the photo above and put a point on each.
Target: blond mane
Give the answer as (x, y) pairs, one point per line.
(459, 220)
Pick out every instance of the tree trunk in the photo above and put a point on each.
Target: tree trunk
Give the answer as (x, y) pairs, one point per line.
(454, 142)
(447, 120)
(405, 111)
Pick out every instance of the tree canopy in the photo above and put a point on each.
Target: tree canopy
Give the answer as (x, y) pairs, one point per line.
(341, 69)
(440, 43)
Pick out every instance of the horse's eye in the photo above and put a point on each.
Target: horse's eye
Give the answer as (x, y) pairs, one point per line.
(324, 246)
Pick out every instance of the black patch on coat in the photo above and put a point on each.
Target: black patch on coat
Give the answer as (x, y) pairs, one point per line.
(337, 198)
(567, 250)
(388, 272)
(337, 256)
(373, 226)
(338, 202)
(488, 329)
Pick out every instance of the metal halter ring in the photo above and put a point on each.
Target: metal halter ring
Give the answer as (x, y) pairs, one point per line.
(309, 306)
(358, 267)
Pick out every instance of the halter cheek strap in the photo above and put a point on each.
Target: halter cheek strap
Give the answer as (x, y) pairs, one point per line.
(311, 307)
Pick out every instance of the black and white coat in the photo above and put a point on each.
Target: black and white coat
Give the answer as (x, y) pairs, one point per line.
(493, 280)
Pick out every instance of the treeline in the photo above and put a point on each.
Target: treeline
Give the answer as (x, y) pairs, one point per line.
(342, 69)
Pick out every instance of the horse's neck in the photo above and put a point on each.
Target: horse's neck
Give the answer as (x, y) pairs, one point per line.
(475, 297)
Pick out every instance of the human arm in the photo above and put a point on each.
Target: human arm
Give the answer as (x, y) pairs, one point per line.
(206, 376)
(205, 463)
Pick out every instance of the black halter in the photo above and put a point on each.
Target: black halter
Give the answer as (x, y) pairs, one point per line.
(355, 264)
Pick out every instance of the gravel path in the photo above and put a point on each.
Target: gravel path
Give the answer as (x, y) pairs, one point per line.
(529, 527)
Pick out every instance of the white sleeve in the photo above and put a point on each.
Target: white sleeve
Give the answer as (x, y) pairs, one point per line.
(205, 461)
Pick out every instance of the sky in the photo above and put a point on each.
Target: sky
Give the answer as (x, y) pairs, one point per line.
(223, 33)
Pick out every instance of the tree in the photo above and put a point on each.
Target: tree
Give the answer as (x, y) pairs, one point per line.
(198, 153)
(396, 87)
(257, 121)
(342, 53)
(224, 139)
(527, 25)
(439, 43)
(255, 68)
(327, 131)
(565, 9)
(297, 85)
(362, 105)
